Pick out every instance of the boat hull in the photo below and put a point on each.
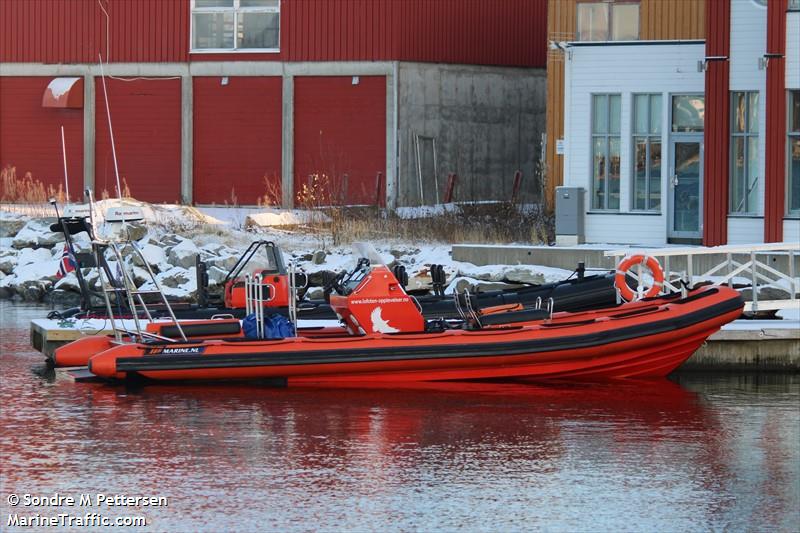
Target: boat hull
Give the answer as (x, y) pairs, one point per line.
(642, 340)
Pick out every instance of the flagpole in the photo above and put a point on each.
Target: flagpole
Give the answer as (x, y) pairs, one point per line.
(64, 153)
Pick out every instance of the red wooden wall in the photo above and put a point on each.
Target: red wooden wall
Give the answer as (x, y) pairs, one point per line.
(74, 31)
(30, 135)
(237, 139)
(499, 32)
(775, 171)
(146, 117)
(717, 124)
(328, 140)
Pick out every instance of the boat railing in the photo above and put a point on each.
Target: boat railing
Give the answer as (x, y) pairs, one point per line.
(761, 266)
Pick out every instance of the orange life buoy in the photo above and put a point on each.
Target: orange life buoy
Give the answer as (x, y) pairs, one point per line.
(651, 263)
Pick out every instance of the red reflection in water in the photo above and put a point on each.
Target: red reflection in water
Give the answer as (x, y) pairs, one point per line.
(645, 455)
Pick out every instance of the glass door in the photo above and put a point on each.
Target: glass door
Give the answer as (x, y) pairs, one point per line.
(686, 189)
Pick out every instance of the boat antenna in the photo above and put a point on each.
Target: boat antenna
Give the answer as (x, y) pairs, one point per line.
(110, 129)
(64, 155)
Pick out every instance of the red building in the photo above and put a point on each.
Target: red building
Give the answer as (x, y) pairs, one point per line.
(217, 101)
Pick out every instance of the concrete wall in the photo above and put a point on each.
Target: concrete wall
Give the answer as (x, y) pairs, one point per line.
(487, 123)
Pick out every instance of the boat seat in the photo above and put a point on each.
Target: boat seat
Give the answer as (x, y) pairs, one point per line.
(512, 317)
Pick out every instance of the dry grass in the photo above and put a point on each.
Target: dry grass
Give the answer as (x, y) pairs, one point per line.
(26, 189)
(472, 223)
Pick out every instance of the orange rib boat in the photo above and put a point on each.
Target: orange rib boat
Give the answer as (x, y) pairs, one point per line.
(388, 340)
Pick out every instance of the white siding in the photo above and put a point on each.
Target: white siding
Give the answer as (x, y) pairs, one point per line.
(748, 45)
(793, 50)
(625, 69)
(745, 230)
(791, 230)
(649, 230)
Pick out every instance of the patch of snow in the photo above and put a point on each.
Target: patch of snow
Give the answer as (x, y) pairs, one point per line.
(59, 86)
(29, 256)
(426, 211)
(285, 217)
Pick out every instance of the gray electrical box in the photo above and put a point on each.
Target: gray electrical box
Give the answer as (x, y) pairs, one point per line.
(569, 216)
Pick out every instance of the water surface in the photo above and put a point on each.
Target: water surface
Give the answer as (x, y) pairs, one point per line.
(696, 453)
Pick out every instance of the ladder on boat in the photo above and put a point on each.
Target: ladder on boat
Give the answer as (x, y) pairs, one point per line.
(124, 287)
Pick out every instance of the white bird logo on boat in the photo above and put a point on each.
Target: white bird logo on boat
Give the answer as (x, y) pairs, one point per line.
(379, 324)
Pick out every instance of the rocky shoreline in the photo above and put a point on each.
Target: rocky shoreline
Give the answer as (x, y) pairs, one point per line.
(30, 255)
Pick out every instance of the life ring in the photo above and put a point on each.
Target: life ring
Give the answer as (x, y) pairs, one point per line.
(652, 264)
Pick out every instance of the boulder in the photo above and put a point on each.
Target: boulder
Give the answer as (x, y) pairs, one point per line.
(29, 256)
(482, 274)
(225, 262)
(318, 257)
(213, 248)
(183, 254)
(155, 257)
(473, 285)
(68, 283)
(524, 276)
(9, 227)
(36, 234)
(32, 291)
(174, 277)
(216, 275)
(8, 260)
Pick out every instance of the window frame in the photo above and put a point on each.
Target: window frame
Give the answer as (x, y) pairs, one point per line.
(791, 135)
(649, 138)
(236, 10)
(746, 135)
(609, 8)
(607, 136)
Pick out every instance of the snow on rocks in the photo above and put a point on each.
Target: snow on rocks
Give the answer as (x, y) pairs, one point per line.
(285, 217)
(184, 254)
(36, 233)
(10, 225)
(155, 257)
(8, 260)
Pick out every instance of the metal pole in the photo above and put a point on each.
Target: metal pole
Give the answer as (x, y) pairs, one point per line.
(64, 154)
(754, 279)
(110, 129)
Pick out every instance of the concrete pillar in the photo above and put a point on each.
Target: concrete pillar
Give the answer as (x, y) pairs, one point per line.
(88, 132)
(391, 137)
(287, 142)
(187, 140)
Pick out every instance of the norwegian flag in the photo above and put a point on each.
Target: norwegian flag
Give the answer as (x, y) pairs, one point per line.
(67, 263)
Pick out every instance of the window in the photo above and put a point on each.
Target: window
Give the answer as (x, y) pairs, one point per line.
(608, 21)
(794, 152)
(605, 151)
(688, 113)
(647, 152)
(744, 152)
(229, 25)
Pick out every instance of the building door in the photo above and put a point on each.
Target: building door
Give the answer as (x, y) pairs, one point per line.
(686, 190)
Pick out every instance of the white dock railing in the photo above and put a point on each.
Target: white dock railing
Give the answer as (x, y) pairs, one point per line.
(762, 265)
